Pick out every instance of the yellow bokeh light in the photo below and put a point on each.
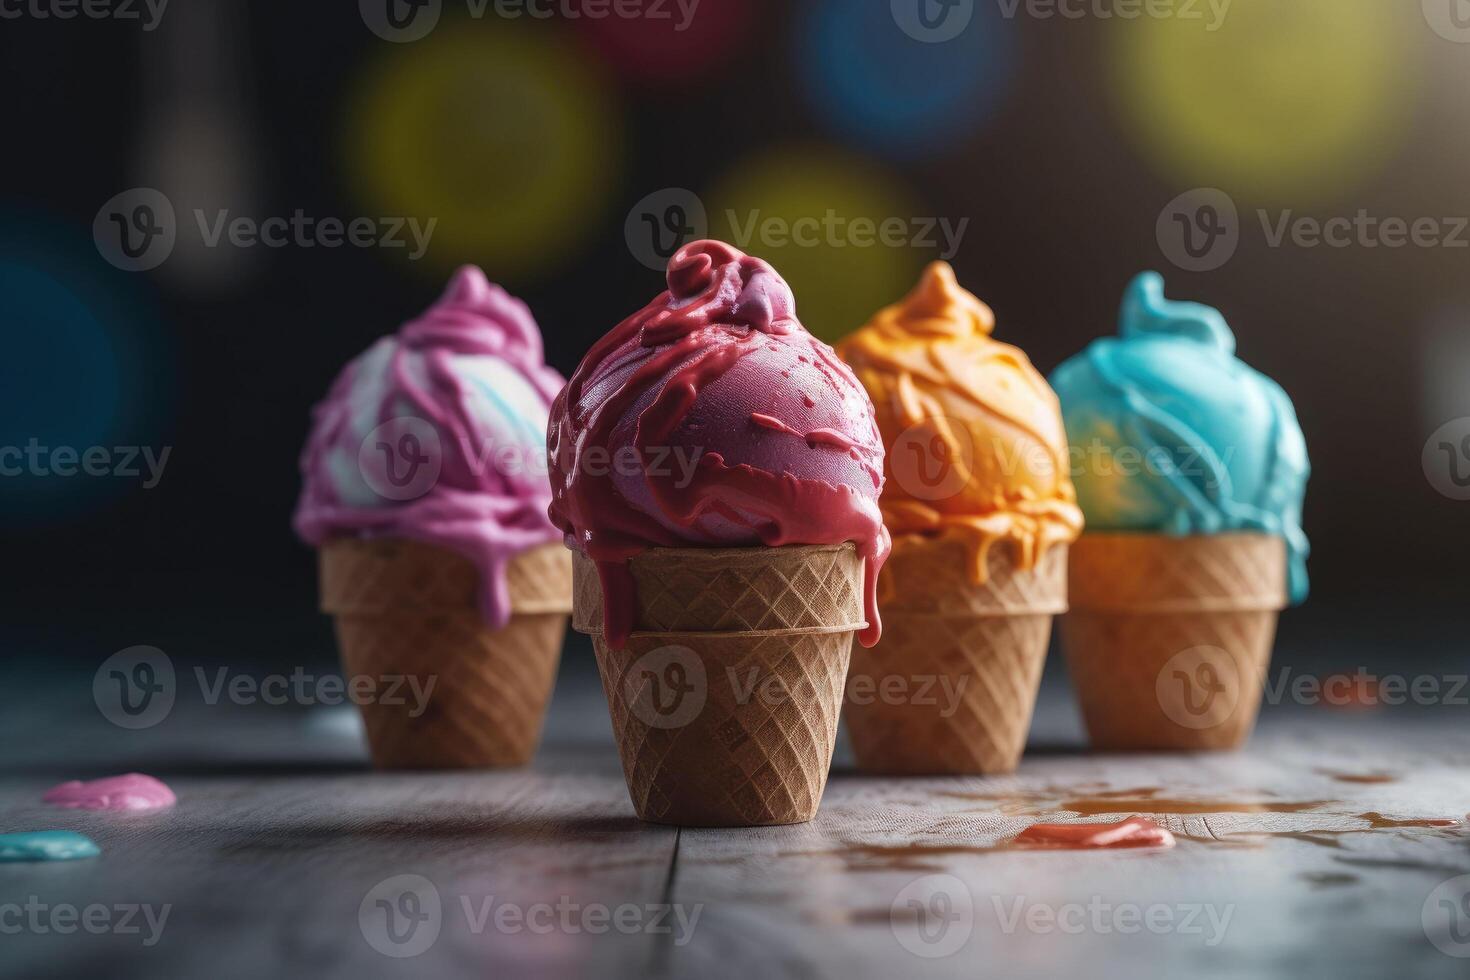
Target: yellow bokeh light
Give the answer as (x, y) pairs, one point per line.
(818, 217)
(500, 132)
(1288, 102)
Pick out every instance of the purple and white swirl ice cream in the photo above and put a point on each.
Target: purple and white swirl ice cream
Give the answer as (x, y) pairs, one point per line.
(438, 434)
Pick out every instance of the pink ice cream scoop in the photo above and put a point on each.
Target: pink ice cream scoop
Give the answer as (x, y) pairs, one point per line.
(711, 418)
(133, 791)
(437, 434)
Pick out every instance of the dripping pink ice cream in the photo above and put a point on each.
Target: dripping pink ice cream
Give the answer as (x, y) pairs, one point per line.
(133, 791)
(437, 434)
(711, 418)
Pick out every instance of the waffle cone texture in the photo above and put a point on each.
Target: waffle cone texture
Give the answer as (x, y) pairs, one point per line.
(725, 698)
(1169, 639)
(403, 608)
(951, 687)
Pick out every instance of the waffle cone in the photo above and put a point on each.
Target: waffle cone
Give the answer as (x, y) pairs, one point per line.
(1169, 639)
(725, 699)
(408, 609)
(951, 687)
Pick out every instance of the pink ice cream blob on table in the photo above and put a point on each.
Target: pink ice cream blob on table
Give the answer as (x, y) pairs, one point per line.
(437, 434)
(712, 418)
(133, 792)
(1134, 832)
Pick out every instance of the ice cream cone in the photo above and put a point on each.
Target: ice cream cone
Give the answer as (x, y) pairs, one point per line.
(725, 698)
(408, 609)
(951, 686)
(1169, 638)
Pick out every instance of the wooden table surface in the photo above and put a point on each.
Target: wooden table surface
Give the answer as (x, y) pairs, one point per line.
(284, 844)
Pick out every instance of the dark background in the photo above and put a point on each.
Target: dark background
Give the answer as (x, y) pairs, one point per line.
(268, 107)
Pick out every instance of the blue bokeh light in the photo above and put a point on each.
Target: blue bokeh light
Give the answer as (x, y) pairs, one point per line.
(877, 85)
(83, 368)
(64, 384)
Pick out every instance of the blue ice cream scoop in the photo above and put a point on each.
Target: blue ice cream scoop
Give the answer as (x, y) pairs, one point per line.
(1171, 434)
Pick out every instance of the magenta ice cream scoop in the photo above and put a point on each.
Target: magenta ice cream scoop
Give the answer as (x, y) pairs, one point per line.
(437, 434)
(712, 418)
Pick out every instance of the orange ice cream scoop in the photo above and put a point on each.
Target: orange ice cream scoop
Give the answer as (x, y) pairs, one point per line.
(974, 436)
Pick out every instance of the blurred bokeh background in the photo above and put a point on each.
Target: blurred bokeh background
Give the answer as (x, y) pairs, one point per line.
(1051, 150)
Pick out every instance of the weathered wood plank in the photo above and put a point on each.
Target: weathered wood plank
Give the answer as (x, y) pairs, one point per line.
(282, 832)
(1286, 888)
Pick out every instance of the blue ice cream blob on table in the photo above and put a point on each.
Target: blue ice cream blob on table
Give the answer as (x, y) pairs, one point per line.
(1172, 434)
(47, 845)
